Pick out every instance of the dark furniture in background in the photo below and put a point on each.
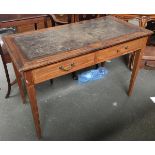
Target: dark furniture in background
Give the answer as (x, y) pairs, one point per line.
(148, 59)
(6, 58)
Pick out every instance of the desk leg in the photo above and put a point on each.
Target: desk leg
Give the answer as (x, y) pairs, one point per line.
(137, 58)
(33, 101)
(19, 81)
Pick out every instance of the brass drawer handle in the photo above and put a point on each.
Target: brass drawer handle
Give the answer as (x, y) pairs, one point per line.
(67, 68)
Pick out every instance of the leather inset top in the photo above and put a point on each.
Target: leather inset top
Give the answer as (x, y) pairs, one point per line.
(70, 37)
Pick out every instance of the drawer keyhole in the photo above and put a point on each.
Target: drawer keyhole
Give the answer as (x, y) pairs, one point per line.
(118, 51)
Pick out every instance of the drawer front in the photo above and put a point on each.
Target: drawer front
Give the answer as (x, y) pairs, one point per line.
(117, 51)
(62, 68)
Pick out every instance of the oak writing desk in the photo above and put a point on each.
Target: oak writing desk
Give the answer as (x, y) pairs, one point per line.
(53, 52)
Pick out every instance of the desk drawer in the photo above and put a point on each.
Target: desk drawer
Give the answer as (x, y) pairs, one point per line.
(62, 68)
(117, 51)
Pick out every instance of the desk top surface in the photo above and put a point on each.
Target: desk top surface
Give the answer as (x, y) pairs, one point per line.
(62, 42)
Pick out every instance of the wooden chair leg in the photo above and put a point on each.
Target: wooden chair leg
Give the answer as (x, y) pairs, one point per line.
(13, 82)
(8, 80)
(102, 64)
(8, 91)
(51, 81)
(96, 66)
(19, 81)
(7, 76)
(74, 76)
(131, 61)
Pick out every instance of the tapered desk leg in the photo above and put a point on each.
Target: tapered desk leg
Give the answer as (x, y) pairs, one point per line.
(138, 56)
(19, 81)
(33, 101)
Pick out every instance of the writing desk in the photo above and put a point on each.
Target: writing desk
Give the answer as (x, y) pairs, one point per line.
(53, 52)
